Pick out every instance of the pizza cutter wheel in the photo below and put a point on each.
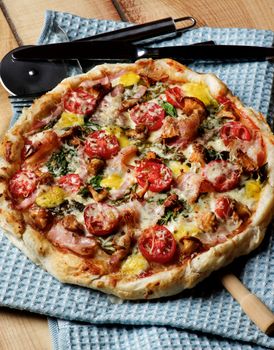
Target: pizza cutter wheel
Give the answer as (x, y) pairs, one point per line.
(26, 77)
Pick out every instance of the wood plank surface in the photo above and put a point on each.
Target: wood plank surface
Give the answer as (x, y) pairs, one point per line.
(8, 43)
(21, 23)
(231, 13)
(27, 16)
(19, 330)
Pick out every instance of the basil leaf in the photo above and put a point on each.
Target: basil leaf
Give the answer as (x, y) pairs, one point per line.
(170, 110)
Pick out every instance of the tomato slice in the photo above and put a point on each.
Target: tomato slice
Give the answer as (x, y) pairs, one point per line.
(100, 144)
(154, 174)
(223, 175)
(174, 96)
(70, 182)
(149, 114)
(223, 207)
(235, 130)
(157, 244)
(101, 219)
(23, 183)
(79, 101)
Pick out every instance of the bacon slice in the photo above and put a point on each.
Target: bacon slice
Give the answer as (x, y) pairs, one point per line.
(61, 237)
(190, 184)
(47, 146)
(119, 163)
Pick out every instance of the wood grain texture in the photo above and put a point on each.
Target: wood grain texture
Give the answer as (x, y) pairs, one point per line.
(19, 330)
(8, 43)
(27, 16)
(231, 13)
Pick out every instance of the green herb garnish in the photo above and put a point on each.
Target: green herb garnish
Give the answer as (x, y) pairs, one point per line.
(95, 182)
(60, 162)
(212, 154)
(170, 110)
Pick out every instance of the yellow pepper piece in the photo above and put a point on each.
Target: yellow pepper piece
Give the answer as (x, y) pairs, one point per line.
(69, 119)
(118, 132)
(200, 91)
(186, 229)
(176, 167)
(253, 189)
(52, 198)
(134, 265)
(113, 181)
(129, 79)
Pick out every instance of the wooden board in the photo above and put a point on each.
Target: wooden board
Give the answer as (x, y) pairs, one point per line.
(19, 330)
(231, 13)
(8, 43)
(27, 16)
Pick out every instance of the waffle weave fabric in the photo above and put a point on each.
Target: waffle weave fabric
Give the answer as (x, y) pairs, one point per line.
(203, 318)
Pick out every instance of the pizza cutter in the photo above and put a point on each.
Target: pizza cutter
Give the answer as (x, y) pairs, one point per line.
(26, 78)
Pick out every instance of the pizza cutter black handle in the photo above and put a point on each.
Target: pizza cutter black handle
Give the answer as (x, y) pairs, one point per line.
(145, 31)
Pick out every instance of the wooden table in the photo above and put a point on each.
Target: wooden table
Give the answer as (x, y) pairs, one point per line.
(21, 23)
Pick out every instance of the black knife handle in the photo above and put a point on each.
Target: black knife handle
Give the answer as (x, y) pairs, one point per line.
(144, 31)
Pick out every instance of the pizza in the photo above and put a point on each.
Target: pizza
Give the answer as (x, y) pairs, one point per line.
(138, 180)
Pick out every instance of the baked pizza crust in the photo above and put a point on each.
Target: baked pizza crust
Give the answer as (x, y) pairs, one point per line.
(70, 268)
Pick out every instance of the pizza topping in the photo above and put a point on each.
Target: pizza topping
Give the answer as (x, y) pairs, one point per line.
(123, 247)
(190, 186)
(149, 114)
(174, 96)
(70, 182)
(223, 175)
(154, 174)
(70, 223)
(63, 161)
(79, 101)
(101, 145)
(53, 197)
(224, 207)
(23, 183)
(132, 101)
(94, 166)
(208, 222)
(134, 265)
(39, 218)
(49, 143)
(192, 106)
(157, 244)
(170, 128)
(101, 219)
(190, 245)
(68, 120)
(64, 238)
(129, 79)
(235, 130)
(201, 92)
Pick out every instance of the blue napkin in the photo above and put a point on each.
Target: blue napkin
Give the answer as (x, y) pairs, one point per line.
(206, 317)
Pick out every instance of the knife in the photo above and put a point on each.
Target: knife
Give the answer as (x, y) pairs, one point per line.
(110, 50)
